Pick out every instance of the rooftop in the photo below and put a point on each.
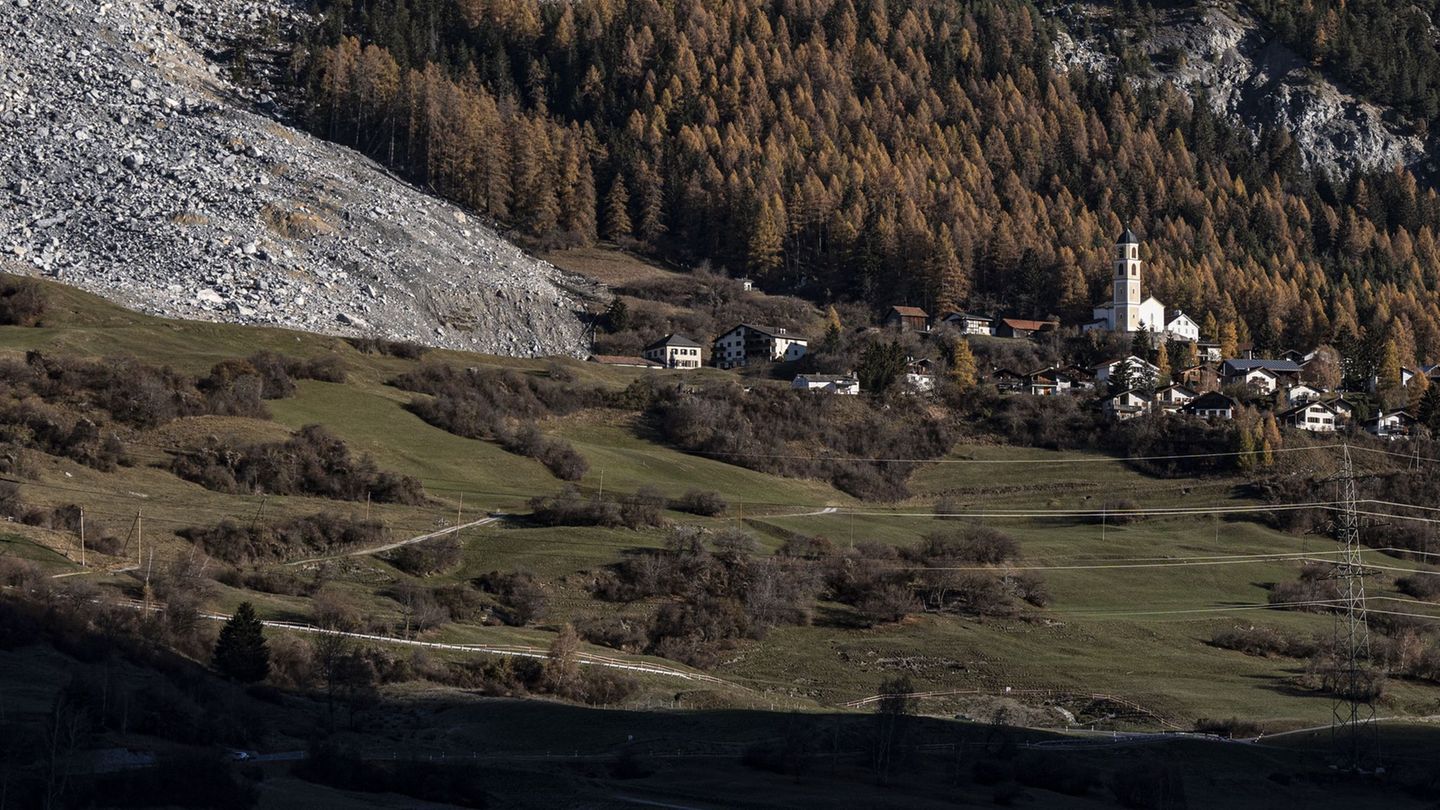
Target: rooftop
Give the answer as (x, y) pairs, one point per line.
(673, 339)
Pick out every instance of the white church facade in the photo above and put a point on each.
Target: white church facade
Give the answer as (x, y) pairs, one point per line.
(1126, 312)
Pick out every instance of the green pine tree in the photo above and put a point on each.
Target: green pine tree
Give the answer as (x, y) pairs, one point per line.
(241, 652)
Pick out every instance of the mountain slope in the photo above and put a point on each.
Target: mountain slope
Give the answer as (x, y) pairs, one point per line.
(1249, 75)
(132, 168)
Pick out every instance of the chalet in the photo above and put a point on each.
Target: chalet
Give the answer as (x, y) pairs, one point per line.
(1393, 425)
(827, 383)
(1022, 328)
(919, 375)
(1200, 378)
(1173, 397)
(1081, 379)
(1007, 380)
(1211, 405)
(622, 360)
(674, 351)
(1134, 366)
(967, 324)
(910, 318)
(1316, 417)
(1260, 376)
(1209, 351)
(748, 343)
(1343, 408)
(1301, 392)
(1127, 404)
(1047, 382)
(1179, 326)
(1295, 356)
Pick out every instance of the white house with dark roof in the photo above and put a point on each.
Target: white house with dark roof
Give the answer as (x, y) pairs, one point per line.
(1137, 367)
(675, 351)
(1302, 392)
(1212, 405)
(1173, 397)
(827, 383)
(968, 324)
(1262, 376)
(749, 343)
(1126, 311)
(1316, 417)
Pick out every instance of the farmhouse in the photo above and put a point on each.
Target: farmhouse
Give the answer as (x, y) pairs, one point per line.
(910, 318)
(827, 383)
(1261, 376)
(1047, 382)
(1316, 417)
(1127, 404)
(674, 351)
(1022, 328)
(968, 324)
(1173, 397)
(1302, 392)
(1126, 312)
(1393, 425)
(1137, 369)
(1211, 405)
(1007, 380)
(748, 343)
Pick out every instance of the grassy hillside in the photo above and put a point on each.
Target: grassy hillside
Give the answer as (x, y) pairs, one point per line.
(1140, 632)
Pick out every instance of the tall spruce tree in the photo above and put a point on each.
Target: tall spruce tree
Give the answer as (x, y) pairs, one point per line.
(241, 651)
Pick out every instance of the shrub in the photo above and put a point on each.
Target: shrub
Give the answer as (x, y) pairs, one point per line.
(1234, 728)
(558, 455)
(570, 508)
(313, 534)
(1263, 642)
(615, 632)
(523, 599)
(404, 350)
(22, 301)
(706, 503)
(312, 462)
(643, 508)
(1420, 586)
(428, 556)
(972, 545)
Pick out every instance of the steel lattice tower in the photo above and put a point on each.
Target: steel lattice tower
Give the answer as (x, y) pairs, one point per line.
(1352, 729)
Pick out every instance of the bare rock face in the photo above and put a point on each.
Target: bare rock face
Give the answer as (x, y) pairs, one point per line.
(1253, 78)
(130, 167)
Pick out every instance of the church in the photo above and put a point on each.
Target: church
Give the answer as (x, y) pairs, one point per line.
(1125, 312)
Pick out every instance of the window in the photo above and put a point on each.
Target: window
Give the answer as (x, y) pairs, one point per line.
(1134, 252)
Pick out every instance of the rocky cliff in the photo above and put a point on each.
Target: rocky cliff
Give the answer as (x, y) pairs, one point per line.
(1222, 51)
(132, 167)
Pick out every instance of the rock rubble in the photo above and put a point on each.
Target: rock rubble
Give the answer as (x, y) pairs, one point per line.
(131, 167)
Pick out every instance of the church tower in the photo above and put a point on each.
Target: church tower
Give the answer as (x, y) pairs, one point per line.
(1127, 283)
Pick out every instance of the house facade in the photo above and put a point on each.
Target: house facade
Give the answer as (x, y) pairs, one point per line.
(1126, 311)
(968, 324)
(1211, 405)
(914, 319)
(1023, 328)
(827, 383)
(1316, 417)
(749, 343)
(1172, 398)
(1136, 367)
(675, 351)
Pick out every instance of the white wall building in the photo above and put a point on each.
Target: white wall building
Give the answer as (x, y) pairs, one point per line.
(748, 343)
(674, 351)
(1126, 311)
(827, 383)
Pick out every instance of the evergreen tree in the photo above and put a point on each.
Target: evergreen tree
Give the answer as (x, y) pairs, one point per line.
(241, 651)
(1229, 341)
(1388, 380)
(833, 332)
(617, 211)
(617, 316)
(1162, 362)
(1428, 412)
(881, 365)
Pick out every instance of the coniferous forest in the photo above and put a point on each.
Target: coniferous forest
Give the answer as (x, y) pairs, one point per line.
(923, 152)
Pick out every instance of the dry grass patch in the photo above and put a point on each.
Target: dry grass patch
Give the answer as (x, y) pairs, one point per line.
(297, 223)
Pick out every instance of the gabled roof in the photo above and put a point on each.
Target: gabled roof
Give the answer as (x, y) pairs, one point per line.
(909, 312)
(953, 316)
(1003, 370)
(673, 339)
(1178, 387)
(1022, 323)
(1125, 359)
(828, 378)
(769, 331)
(1172, 315)
(1211, 401)
(1273, 366)
(1303, 406)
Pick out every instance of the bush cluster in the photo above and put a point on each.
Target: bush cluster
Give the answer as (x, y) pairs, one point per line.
(312, 462)
(22, 301)
(427, 556)
(405, 350)
(559, 456)
(569, 507)
(235, 543)
(779, 431)
(522, 598)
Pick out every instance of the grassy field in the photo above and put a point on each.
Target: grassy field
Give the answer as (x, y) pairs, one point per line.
(1139, 632)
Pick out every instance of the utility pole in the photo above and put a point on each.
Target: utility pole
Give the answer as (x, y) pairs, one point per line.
(82, 537)
(1353, 730)
(459, 510)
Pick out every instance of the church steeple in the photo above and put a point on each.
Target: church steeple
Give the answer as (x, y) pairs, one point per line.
(1127, 282)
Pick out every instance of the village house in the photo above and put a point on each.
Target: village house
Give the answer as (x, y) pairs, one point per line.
(1258, 375)
(827, 383)
(1302, 392)
(1173, 397)
(674, 351)
(1007, 380)
(967, 324)
(1022, 328)
(1211, 405)
(1199, 378)
(1209, 351)
(1316, 417)
(1137, 368)
(1127, 404)
(1344, 409)
(1047, 382)
(1393, 425)
(622, 360)
(919, 375)
(912, 319)
(1126, 312)
(748, 343)
(1081, 379)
